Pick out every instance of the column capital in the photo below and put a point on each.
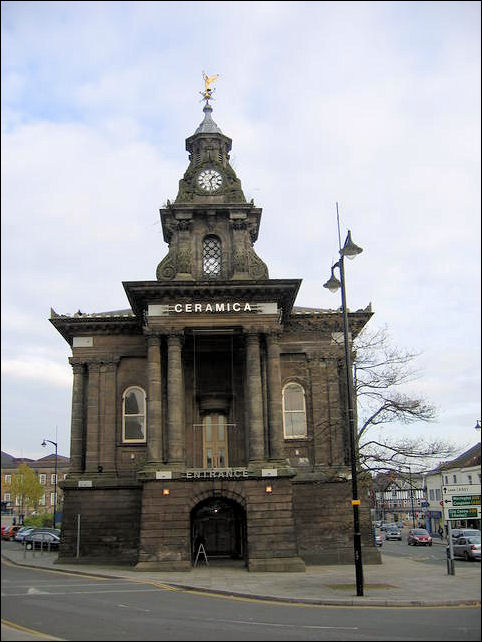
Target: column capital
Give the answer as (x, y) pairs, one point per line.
(77, 365)
(153, 339)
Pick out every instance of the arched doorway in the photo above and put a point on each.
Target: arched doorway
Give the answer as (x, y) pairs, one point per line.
(222, 523)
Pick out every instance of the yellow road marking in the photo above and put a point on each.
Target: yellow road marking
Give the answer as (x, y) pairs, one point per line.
(25, 629)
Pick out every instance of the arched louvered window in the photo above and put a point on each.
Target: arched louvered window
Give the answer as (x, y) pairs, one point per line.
(294, 411)
(212, 257)
(134, 415)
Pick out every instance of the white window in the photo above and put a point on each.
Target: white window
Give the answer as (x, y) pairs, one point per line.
(446, 479)
(41, 501)
(42, 479)
(65, 475)
(469, 477)
(294, 411)
(6, 497)
(212, 256)
(437, 493)
(431, 495)
(8, 479)
(52, 499)
(134, 415)
(53, 478)
(455, 479)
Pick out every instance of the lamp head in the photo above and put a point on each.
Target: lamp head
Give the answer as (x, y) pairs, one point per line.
(350, 250)
(44, 443)
(333, 284)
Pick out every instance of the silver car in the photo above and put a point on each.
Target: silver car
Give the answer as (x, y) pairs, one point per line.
(466, 547)
(393, 533)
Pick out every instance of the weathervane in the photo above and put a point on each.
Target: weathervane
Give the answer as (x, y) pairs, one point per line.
(207, 94)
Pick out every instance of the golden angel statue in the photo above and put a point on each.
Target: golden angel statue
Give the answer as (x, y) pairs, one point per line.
(208, 80)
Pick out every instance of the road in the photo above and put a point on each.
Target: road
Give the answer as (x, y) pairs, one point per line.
(72, 607)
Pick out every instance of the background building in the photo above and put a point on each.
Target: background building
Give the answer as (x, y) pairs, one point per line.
(464, 469)
(399, 497)
(212, 407)
(44, 469)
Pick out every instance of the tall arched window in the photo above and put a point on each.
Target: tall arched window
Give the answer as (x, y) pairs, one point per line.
(134, 415)
(211, 257)
(294, 411)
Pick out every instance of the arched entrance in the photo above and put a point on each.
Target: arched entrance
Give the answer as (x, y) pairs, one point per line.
(222, 523)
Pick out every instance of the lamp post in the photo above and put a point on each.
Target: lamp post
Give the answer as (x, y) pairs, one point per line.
(349, 250)
(44, 443)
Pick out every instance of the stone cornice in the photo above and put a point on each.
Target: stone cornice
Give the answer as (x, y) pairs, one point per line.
(70, 327)
(143, 293)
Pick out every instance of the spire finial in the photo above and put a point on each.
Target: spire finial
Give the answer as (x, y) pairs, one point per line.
(208, 80)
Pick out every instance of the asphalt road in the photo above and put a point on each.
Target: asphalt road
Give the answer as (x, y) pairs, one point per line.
(71, 607)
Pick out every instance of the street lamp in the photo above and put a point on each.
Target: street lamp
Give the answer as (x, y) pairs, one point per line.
(477, 425)
(349, 250)
(44, 443)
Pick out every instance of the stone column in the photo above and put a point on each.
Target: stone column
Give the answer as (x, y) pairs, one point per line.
(276, 437)
(107, 434)
(255, 399)
(77, 419)
(154, 400)
(175, 400)
(93, 398)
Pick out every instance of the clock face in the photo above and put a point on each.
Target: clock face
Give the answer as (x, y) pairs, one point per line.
(209, 180)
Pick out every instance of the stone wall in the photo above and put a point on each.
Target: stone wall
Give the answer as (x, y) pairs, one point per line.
(109, 524)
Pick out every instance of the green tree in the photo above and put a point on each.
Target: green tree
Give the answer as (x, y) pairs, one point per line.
(25, 489)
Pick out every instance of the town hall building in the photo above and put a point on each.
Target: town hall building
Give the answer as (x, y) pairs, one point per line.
(212, 409)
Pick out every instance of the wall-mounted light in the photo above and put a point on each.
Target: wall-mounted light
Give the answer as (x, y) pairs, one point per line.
(165, 491)
(269, 489)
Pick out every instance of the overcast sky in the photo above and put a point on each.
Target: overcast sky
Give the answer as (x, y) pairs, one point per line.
(375, 105)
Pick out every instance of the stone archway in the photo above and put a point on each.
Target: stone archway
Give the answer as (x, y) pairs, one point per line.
(221, 522)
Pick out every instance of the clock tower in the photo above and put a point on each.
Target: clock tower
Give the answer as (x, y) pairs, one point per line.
(210, 228)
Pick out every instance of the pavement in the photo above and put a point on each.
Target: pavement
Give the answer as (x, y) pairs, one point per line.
(397, 582)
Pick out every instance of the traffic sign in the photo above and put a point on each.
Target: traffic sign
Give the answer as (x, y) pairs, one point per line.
(465, 496)
(463, 513)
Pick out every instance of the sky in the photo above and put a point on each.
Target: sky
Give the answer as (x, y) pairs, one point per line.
(371, 105)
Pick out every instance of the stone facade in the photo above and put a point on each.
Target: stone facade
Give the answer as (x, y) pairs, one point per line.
(212, 408)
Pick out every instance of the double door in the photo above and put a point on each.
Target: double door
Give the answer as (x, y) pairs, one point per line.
(215, 441)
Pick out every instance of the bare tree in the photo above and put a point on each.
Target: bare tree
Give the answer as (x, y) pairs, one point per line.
(382, 374)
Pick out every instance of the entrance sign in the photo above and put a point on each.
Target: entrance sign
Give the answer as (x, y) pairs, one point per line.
(216, 473)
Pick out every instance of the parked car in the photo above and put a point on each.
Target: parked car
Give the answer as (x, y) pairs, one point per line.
(42, 539)
(466, 547)
(378, 538)
(386, 525)
(10, 531)
(393, 533)
(20, 534)
(419, 537)
(464, 532)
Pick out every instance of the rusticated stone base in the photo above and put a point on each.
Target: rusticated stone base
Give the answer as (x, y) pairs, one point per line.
(277, 565)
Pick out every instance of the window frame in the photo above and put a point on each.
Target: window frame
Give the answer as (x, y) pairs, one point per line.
(299, 411)
(212, 274)
(42, 479)
(127, 440)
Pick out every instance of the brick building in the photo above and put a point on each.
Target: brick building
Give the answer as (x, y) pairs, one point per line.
(44, 468)
(211, 406)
